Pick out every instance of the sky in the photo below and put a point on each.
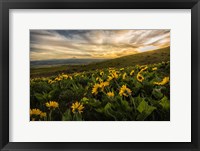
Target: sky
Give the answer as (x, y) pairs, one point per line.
(94, 44)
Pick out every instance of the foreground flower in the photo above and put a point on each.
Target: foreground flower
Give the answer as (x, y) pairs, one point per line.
(124, 91)
(101, 73)
(52, 104)
(95, 89)
(131, 73)
(43, 115)
(124, 76)
(77, 107)
(110, 94)
(109, 78)
(155, 68)
(163, 82)
(114, 75)
(35, 112)
(143, 69)
(140, 78)
(104, 84)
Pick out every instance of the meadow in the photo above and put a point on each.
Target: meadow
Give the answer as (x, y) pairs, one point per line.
(130, 88)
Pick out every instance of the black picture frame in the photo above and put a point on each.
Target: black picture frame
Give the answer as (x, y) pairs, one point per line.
(5, 5)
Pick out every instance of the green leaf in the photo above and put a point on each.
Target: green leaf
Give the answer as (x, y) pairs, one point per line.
(142, 106)
(157, 94)
(164, 102)
(67, 116)
(145, 110)
(39, 97)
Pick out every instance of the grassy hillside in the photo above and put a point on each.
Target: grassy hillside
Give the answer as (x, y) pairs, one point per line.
(149, 57)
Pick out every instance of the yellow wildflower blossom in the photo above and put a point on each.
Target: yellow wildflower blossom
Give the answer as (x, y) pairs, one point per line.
(124, 91)
(131, 73)
(110, 78)
(155, 68)
(121, 69)
(114, 75)
(50, 81)
(43, 115)
(124, 76)
(65, 76)
(143, 69)
(52, 104)
(35, 112)
(101, 73)
(163, 82)
(140, 78)
(95, 89)
(102, 85)
(110, 94)
(77, 107)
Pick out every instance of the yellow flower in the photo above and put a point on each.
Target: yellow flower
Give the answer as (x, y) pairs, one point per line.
(51, 81)
(121, 69)
(155, 68)
(102, 85)
(110, 94)
(58, 78)
(124, 76)
(124, 91)
(65, 76)
(140, 78)
(43, 114)
(131, 73)
(110, 78)
(101, 73)
(95, 89)
(114, 75)
(52, 104)
(35, 112)
(163, 82)
(77, 107)
(143, 68)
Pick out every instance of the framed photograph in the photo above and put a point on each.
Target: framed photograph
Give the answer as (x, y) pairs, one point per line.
(99, 75)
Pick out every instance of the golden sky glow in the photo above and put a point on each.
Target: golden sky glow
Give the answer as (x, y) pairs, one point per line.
(106, 44)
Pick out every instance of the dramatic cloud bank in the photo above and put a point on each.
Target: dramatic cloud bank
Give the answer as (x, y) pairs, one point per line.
(64, 44)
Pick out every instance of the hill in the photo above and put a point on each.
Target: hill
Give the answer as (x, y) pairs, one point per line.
(149, 57)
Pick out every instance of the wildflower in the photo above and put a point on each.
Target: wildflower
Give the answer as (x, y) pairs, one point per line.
(124, 91)
(35, 112)
(58, 78)
(121, 69)
(124, 76)
(77, 107)
(114, 75)
(101, 73)
(110, 78)
(50, 81)
(163, 82)
(143, 69)
(131, 73)
(52, 104)
(65, 76)
(140, 78)
(99, 79)
(95, 89)
(110, 94)
(43, 115)
(102, 85)
(155, 68)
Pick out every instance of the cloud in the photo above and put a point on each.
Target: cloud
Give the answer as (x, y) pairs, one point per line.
(61, 44)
